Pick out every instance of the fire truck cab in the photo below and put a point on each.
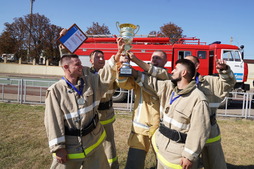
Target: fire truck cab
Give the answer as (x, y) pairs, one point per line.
(143, 47)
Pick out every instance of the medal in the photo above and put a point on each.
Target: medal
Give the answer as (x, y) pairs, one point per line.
(81, 101)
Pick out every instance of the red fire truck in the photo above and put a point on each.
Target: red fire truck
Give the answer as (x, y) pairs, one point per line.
(143, 47)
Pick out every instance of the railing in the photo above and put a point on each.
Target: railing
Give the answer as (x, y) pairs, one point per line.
(33, 92)
(240, 105)
(29, 91)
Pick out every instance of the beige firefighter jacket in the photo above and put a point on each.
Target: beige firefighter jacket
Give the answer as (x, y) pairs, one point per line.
(62, 110)
(216, 88)
(107, 116)
(189, 114)
(146, 118)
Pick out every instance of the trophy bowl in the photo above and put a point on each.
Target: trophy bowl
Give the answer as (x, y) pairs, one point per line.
(127, 32)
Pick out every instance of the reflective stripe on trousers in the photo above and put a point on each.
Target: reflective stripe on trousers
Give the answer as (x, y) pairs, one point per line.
(104, 122)
(161, 158)
(87, 150)
(110, 161)
(214, 139)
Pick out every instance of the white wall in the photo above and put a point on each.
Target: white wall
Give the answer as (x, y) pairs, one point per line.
(31, 69)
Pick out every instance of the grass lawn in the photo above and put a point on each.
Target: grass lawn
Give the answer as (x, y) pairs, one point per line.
(24, 144)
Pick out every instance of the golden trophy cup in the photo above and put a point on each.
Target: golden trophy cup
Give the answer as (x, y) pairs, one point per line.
(127, 32)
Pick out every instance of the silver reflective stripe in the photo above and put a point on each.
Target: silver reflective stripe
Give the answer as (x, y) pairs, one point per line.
(214, 105)
(176, 123)
(56, 141)
(82, 111)
(140, 125)
(121, 80)
(110, 91)
(139, 111)
(142, 78)
(140, 84)
(190, 152)
(155, 71)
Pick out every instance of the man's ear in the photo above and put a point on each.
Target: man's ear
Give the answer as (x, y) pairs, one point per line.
(197, 66)
(65, 66)
(184, 73)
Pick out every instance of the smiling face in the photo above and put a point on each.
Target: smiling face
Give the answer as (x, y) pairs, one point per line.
(97, 60)
(159, 59)
(75, 67)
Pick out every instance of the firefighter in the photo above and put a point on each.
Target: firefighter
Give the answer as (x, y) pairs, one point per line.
(216, 89)
(145, 119)
(185, 124)
(105, 109)
(71, 119)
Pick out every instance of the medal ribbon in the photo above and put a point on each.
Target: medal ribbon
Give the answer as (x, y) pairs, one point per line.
(197, 80)
(73, 87)
(173, 99)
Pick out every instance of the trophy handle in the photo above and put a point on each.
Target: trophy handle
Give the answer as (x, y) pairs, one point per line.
(137, 29)
(117, 26)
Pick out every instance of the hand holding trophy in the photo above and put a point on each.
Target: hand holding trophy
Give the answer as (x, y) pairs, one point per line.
(127, 33)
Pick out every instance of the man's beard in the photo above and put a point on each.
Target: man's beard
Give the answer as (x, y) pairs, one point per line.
(175, 80)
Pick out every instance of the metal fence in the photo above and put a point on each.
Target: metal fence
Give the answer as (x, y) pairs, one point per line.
(238, 105)
(33, 92)
(14, 90)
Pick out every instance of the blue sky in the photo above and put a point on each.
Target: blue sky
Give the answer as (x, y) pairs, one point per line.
(209, 20)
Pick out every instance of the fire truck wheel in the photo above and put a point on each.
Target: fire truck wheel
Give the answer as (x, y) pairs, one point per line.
(120, 95)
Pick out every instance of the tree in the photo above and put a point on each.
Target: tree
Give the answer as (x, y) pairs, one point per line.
(96, 29)
(32, 35)
(170, 30)
(7, 43)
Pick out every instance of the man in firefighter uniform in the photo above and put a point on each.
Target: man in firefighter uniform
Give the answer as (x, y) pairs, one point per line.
(185, 124)
(145, 119)
(71, 118)
(105, 109)
(216, 89)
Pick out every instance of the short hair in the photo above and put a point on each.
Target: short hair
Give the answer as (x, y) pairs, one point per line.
(164, 53)
(190, 66)
(95, 51)
(195, 57)
(67, 57)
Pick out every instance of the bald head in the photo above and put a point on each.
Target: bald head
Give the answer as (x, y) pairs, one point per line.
(194, 60)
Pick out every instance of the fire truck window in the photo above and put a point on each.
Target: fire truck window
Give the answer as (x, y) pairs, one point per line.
(227, 55)
(183, 54)
(236, 55)
(201, 54)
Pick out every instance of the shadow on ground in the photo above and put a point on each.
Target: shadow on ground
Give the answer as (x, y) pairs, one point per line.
(230, 166)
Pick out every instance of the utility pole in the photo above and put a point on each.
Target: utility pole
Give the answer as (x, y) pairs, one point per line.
(231, 40)
(30, 27)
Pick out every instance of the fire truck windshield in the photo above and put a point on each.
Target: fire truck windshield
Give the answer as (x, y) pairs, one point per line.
(231, 55)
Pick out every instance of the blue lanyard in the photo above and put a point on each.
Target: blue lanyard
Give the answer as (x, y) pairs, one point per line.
(173, 99)
(73, 87)
(197, 80)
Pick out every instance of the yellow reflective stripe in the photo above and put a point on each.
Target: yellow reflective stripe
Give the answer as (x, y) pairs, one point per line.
(104, 122)
(76, 156)
(88, 150)
(162, 159)
(211, 140)
(110, 161)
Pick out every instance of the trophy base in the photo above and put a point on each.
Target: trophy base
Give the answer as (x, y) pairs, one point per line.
(125, 72)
